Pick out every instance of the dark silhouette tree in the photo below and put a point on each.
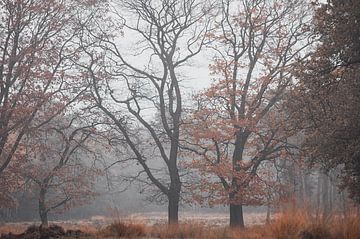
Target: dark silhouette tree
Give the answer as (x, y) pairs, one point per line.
(169, 34)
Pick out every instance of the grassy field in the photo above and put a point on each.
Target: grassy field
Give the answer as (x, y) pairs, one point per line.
(290, 225)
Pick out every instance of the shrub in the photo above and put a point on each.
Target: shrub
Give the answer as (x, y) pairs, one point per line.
(122, 229)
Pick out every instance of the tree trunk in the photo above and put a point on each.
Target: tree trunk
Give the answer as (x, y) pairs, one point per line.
(174, 196)
(44, 219)
(268, 214)
(236, 216)
(307, 191)
(325, 195)
(175, 183)
(42, 208)
(331, 199)
(173, 209)
(318, 196)
(236, 212)
(344, 204)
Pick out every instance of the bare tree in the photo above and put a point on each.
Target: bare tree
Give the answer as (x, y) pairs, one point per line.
(170, 33)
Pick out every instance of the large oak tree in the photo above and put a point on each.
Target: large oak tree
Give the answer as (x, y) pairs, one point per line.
(237, 128)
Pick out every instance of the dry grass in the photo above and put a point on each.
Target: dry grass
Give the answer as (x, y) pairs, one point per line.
(195, 230)
(122, 229)
(348, 228)
(298, 224)
(18, 228)
(86, 228)
(289, 224)
(293, 224)
(13, 228)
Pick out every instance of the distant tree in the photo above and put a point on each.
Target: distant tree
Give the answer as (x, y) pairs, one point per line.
(237, 131)
(36, 66)
(327, 105)
(60, 161)
(169, 34)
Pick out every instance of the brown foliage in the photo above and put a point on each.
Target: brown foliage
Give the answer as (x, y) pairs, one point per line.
(327, 99)
(37, 57)
(59, 162)
(237, 131)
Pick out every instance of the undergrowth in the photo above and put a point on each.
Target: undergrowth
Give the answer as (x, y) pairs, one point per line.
(293, 224)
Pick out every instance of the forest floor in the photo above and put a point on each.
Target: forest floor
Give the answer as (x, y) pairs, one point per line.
(151, 219)
(295, 224)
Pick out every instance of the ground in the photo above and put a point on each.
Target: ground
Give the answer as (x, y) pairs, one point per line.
(293, 224)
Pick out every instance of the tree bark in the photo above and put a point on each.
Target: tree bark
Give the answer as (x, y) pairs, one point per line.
(318, 196)
(325, 195)
(268, 214)
(174, 195)
(43, 213)
(236, 212)
(173, 209)
(344, 204)
(236, 216)
(331, 193)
